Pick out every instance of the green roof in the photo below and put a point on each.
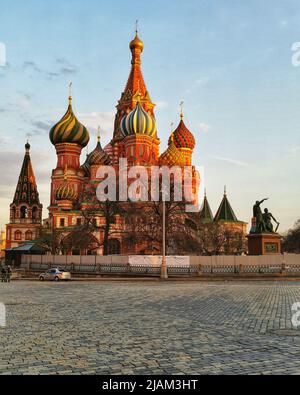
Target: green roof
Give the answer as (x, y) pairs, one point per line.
(206, 214)
(225, 211)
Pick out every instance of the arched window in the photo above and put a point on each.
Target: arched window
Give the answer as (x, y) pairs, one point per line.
(114, 247)
(28, 235)
(18, 235)
(13, 213)
(23, 212)
(34, 212)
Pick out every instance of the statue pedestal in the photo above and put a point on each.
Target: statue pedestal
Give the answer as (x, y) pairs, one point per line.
(264, 244)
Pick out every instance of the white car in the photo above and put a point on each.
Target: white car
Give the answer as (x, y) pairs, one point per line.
(55, 274)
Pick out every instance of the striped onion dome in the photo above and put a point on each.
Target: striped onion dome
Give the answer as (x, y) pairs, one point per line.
(183, 138)
(109, 149)
(138, 121)
(65, 192)
(85, 166)
(98, 156)
(69, 130)
(172, 156)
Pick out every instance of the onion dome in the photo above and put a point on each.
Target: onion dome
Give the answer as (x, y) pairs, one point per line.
(138, 121)
(109, 149)
(98, 156)
(66, 191)
(183, 138)
(136, 43)
(85, 166)
(172, 156)
(69, 130)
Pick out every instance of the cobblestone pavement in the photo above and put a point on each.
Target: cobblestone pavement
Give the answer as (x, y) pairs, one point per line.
(149, 328)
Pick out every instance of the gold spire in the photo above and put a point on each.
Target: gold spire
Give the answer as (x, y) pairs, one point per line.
(136, 26)
(70, 93)
(181, 109)
(99, 135)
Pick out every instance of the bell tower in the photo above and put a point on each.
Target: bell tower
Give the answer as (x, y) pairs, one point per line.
(26, 209)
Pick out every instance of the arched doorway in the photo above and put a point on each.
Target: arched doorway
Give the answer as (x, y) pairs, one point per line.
(114, 247)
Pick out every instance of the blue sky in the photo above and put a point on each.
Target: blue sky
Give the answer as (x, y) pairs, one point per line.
(230, 61)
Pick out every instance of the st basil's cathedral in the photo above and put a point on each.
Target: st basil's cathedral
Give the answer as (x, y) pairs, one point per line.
(135, 138)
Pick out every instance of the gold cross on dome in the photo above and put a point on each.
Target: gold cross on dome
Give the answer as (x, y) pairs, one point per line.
(181, 109)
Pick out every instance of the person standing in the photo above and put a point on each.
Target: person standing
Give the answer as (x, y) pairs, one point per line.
(8, 274)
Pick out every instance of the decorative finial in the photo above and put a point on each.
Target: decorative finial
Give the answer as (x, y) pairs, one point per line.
(136, 27)
(225, 190)
(99, 135)
(27, 145)
(181, 109)
(70, 93)
(205, 193)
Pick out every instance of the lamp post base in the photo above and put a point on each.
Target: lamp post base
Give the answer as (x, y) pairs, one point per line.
(164, 269)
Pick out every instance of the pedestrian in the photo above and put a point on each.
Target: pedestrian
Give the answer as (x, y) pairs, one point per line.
(8, 273)
(3, 274)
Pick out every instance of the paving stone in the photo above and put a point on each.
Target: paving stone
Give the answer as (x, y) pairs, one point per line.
(149, 328)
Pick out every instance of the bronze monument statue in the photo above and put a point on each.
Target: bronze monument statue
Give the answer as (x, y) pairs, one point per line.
(263, 221)
(268, 217)
(263, 239)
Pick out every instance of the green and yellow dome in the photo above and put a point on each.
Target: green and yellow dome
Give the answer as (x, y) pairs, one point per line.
(69, 130)
(66, 192)
(138, 121)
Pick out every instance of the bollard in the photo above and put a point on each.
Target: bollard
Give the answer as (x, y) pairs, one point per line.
(283, 268)
(200, 272)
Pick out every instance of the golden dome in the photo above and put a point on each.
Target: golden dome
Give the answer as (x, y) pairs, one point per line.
(65, 192)
(172, 156)
(136, 43)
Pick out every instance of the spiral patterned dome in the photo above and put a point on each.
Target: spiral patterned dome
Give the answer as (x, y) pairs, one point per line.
(98, 156)
(138, 121)
(66, 192)
(85, 166)
(183, 138)
(69, 130)
(172, 156)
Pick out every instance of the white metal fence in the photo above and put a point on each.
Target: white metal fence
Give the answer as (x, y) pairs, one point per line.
(287, 264)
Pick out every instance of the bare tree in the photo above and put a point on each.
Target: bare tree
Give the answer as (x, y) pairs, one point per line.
(291, 241)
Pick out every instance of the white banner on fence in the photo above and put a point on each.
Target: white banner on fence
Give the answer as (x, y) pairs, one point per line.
(154, 260)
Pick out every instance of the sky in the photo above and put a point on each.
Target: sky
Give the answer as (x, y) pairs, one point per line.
(229, 61)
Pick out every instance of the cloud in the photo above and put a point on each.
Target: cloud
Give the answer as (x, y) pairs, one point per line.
(203, 81)
(63, 67)
(32, 65)
(204, 127)
(161, 104)
(94, 119)
(40, 127)
(231, 161)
